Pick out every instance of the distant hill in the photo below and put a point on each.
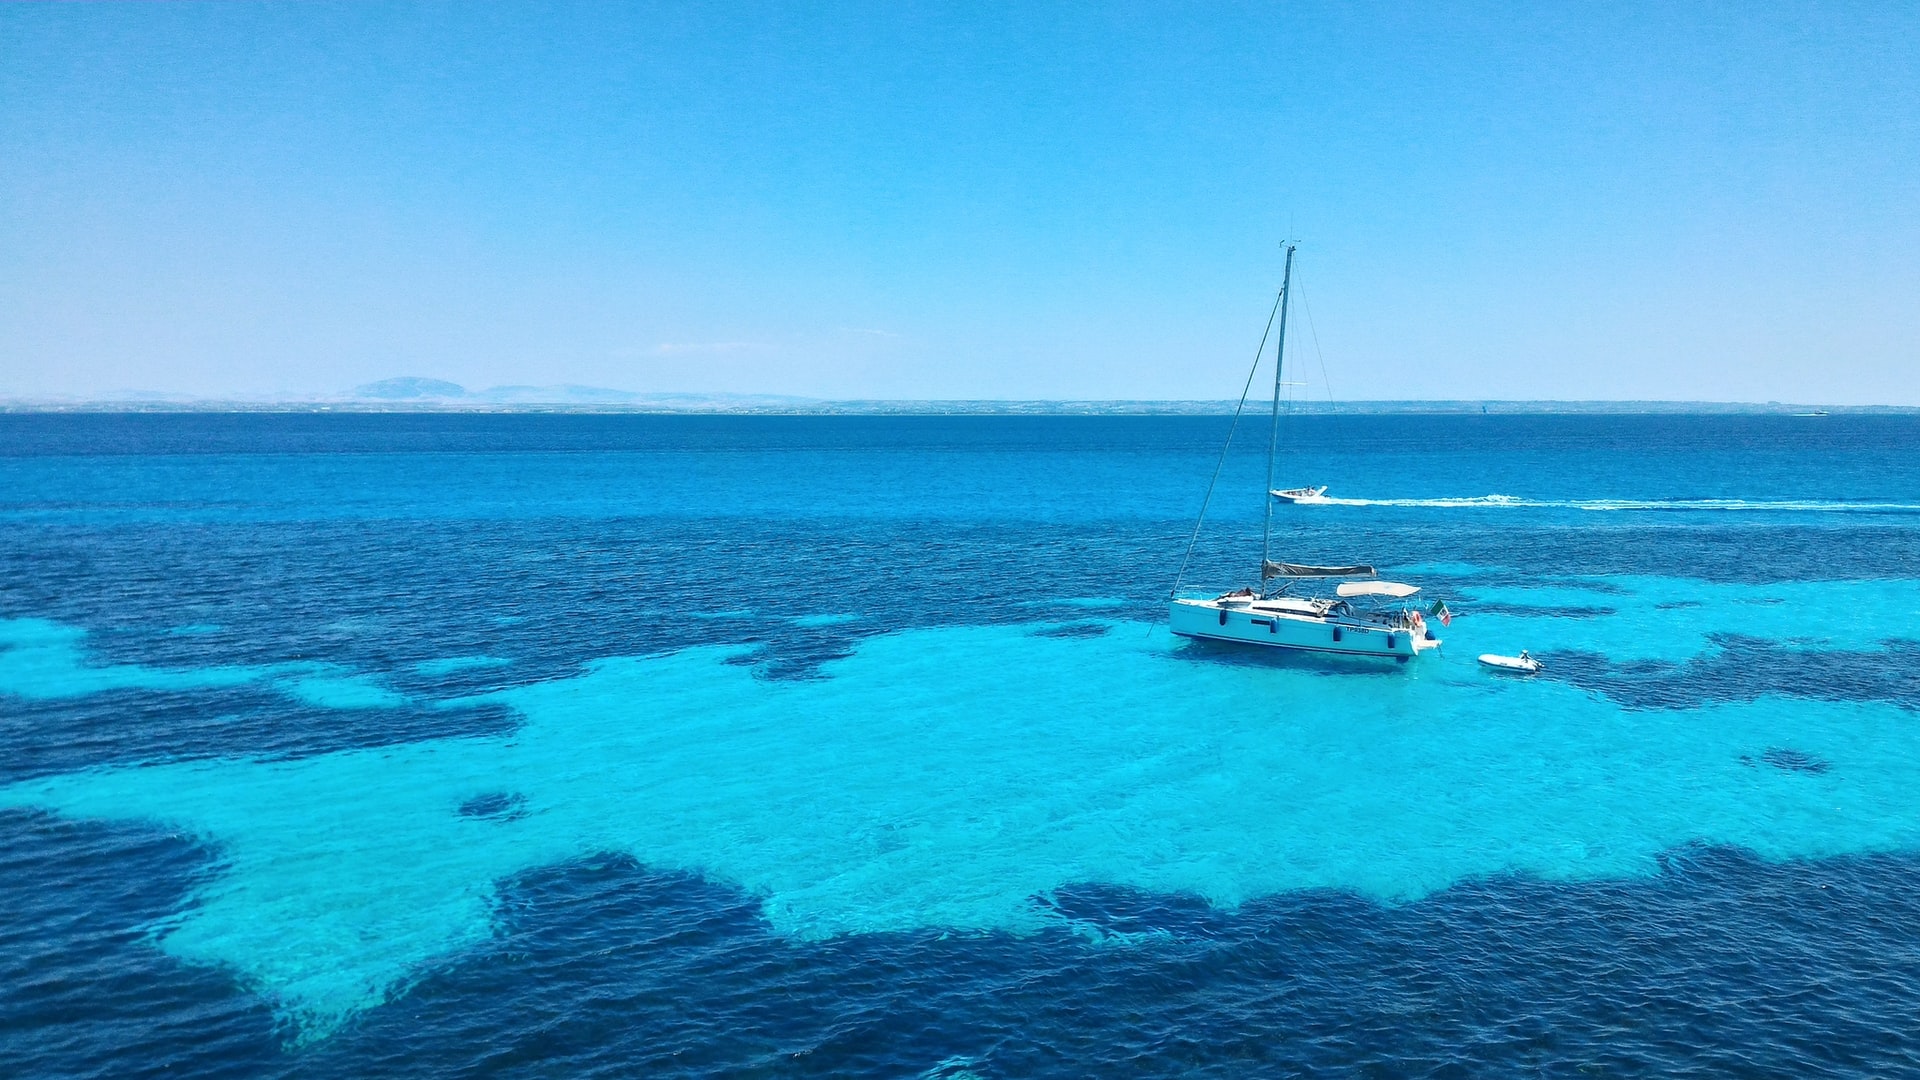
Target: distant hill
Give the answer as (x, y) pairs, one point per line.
(409, 388)
(441, 392)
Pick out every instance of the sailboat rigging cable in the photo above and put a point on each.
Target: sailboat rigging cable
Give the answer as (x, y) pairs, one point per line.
(1306, 304)
(1237, 410)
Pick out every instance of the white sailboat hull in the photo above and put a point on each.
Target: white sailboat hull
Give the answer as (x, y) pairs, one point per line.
(1249, 624)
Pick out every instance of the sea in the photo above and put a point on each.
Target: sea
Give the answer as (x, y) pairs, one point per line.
(621, 745)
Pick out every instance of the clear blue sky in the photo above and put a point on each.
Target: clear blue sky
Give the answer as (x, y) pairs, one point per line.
(1018, 201)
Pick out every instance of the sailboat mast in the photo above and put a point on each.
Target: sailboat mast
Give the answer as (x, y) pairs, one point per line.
(1273, 437)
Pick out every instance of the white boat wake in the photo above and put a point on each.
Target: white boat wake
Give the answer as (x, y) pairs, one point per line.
(1821, 506)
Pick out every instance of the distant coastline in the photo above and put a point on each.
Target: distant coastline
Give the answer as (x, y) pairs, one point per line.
(418, 395)
(693, 405)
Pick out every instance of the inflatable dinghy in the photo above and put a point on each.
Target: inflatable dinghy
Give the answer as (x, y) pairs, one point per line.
(1522, 664)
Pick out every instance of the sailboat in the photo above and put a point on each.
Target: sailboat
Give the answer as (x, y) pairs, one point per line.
(1364, 617)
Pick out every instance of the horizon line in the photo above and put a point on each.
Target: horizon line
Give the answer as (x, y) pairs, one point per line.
(692, 404)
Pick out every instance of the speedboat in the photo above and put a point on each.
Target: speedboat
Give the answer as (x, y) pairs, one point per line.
(1524, 664)
(1300, 494)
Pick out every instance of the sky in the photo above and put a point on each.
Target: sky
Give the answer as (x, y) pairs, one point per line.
(971, 200)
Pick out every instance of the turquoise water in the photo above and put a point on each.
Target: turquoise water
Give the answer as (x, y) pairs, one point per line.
(889, 761)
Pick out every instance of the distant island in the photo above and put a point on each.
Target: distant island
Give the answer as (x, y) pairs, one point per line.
(411, 394)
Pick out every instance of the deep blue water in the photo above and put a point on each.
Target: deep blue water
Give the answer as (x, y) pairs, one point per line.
(341, 745)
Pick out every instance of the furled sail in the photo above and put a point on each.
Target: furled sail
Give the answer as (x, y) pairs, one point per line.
(1271, 569)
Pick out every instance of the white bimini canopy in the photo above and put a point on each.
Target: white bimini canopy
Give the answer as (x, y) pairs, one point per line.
(1375, 588)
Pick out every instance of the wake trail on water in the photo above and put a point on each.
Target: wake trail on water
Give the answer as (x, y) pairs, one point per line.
(1764, 506)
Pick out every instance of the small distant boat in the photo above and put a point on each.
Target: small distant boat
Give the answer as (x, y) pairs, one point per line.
(1816, 412)
(1300, 494)
(1524, 664)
